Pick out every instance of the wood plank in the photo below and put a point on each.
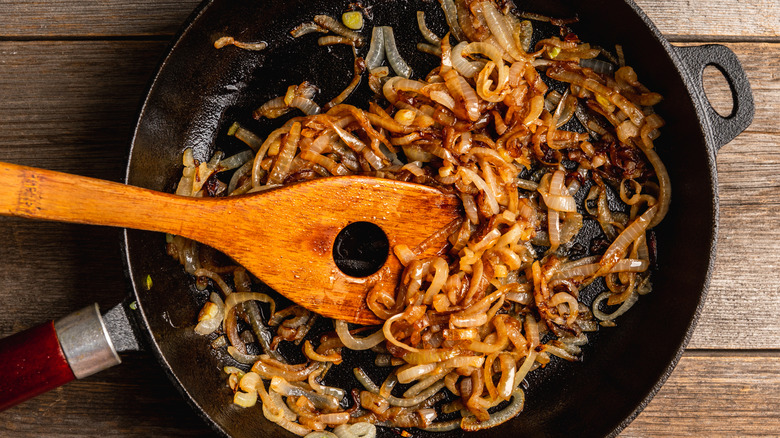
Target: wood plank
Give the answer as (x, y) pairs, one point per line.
(80, 105)
(702, 20)
(132, 399)
(75, 114)
(744, 299)
(64, 18)
(715, 395)
(50, 270)
(677, 19)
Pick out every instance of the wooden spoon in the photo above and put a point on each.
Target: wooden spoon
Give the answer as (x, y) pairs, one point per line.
(284, 236)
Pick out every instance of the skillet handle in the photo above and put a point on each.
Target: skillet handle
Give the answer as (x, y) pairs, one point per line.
(695, 59)
(52, 354)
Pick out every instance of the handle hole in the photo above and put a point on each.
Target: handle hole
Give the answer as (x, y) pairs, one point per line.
(718, 90)
(360, 249)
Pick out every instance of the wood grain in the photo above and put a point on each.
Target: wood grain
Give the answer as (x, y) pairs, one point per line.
(742, 304)
(51, 269)
(710, 20)
(134, 399)
(84, 18)
(715, 395)
(77, 111)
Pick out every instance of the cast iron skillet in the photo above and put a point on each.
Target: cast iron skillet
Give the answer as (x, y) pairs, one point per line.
(200, 91)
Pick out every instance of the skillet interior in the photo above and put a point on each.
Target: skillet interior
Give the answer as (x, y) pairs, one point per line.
(200, 91)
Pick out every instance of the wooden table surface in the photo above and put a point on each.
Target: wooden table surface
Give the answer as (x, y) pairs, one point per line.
(72, 76)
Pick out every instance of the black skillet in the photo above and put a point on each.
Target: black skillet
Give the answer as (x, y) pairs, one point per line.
(199, 92)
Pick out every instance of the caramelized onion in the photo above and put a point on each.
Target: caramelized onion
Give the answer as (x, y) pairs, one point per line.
(632, 299)
(586, 270)
(353, 343)
(227, 41)
(564, 203)
(459, 63)
(413, 373)
(426, 32)
(479, 315)
(334, 25)
(394, 58)
(356, 430)
(376, 50)
(618, 248)
(451, 15)
(665, 195)
(283, 387)
(212, 323)
(267, 371)
(501, 29)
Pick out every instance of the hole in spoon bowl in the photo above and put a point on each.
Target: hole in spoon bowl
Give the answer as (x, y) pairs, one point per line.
(360, 249)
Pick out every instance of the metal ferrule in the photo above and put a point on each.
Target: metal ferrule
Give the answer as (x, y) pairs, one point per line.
(86, 342)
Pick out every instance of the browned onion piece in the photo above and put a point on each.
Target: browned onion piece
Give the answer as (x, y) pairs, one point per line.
(331, 40)
(451, 15)
(334, 25)
(470, 424)
(286, 155)
(632, 299)
(353, 343)
(618, 248)
(360, 67)
(267, 371)
(665, 195)
(425, 31)
(306, 28)
(394, 57)
(228, 41)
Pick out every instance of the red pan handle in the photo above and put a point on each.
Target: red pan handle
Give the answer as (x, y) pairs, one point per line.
(31, 362)
(52, 354)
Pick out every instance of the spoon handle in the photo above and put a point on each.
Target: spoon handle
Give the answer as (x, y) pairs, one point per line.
(44, 194)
